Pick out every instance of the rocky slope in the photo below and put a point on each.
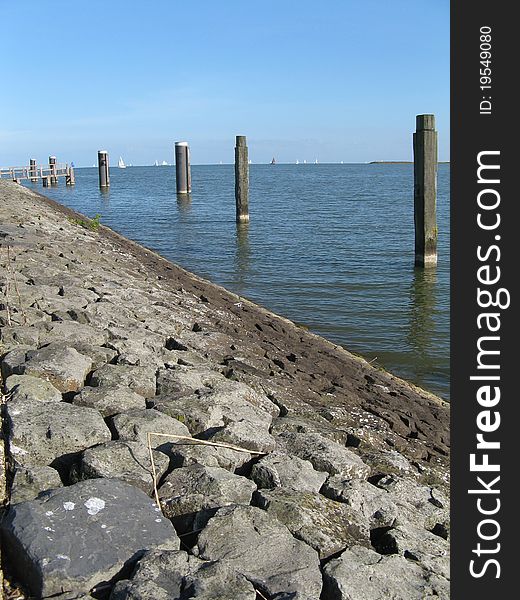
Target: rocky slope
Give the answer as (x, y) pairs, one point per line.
(340, 489)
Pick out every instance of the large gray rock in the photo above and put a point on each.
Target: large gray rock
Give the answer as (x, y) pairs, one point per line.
(106, 314)
(175, 359)
(77, 294)
(128, 461)
(183, 381)
(215, 409)
(136, 352)
(184, 453)
(245, 434)
(31, 316)
(98, 354)
(13, 361)
(308, 423)
(73, 332)
(64, 367)
(324, 454)
(139, 379)
(135, 333)
(281, 470)
(29, 483)
(27, 387)
(19, 335)
(41, 432)
(325, 525)
(190, 490)
(70, 298)
(374, 504)
(362, 574)
(418, 504)
(77, 537)
(263, 550)
(134, 425)
(387, 461)
(109, 400)
(417, 544)
(170, 575)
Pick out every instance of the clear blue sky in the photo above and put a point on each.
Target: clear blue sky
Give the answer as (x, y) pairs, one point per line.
(334, 80)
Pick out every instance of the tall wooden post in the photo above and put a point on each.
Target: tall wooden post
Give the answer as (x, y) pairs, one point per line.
(70, 179)
(103, 167)
(182, 168)
(425, 190)
(241, 180)
(52, 166)
(32, 170)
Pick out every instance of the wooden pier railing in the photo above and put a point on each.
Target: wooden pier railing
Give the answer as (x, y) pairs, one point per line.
(48, 174)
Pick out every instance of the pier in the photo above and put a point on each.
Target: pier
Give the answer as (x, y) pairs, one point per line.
(48, 174)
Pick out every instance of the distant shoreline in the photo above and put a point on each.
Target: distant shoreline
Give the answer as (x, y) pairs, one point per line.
(372, 162)
(401, 162)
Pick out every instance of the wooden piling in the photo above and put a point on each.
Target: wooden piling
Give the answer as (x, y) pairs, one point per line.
(425, 190)
(70, 178)
(32, 170)
(241, 180)
(182, 168)
(103, 167)
(52, 167)
(46, 180)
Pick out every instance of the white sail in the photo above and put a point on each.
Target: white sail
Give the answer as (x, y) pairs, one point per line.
(121, 163)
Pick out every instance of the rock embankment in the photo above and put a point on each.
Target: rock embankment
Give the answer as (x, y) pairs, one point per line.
(340, 490)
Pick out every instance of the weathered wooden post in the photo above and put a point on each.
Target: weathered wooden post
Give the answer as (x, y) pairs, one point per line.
(46, 180)
(182, 168)
(32, 170)
(52, 167)
(425, 190)
(241, 180)
(70, 179)
(103, 167)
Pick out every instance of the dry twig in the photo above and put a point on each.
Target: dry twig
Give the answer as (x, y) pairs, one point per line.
(194, 441)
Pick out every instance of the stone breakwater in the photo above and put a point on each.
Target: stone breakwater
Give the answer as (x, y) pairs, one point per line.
(344, 492)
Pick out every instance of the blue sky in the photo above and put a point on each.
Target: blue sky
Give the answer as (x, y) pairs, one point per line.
(334, 80)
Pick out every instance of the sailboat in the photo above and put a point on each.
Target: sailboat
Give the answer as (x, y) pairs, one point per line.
(121, 163)
(297, 162)
(156, 163)
(164, 164)
(273, 162)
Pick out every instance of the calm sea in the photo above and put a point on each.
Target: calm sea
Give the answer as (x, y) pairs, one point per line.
(328, 246)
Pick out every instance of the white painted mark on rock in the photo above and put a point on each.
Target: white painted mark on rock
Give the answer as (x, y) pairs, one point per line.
(94, 505)
(62, 557)
(69, 505)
